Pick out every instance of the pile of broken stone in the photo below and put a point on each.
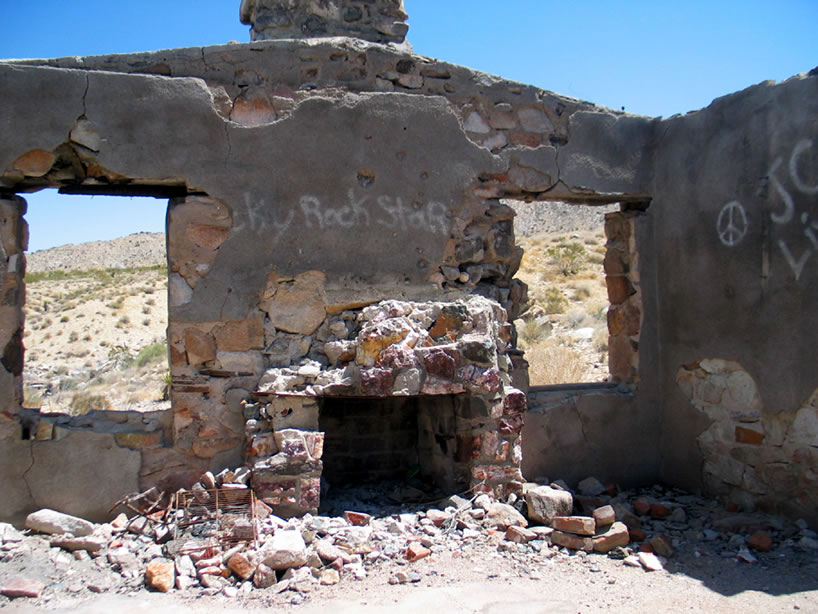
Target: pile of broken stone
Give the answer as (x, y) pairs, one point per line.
(548, 522)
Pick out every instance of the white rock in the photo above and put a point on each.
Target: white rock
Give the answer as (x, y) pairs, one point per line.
(8, 534)
(49, 521)
(582, 334)
(285, 550)
(650, 561)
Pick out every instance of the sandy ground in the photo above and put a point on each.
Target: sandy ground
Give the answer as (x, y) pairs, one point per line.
(483, 584)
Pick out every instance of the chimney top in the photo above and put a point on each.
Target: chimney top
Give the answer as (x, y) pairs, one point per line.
(378, 21)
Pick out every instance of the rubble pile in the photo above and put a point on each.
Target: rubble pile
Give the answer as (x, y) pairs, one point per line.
(224, 541)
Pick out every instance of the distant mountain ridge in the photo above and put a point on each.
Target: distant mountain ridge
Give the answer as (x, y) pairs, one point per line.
(136, 250)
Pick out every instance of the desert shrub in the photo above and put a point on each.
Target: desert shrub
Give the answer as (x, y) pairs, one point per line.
(151, 353)
(73, 337)
(554, 301)
(582, 290)
(601, 339)
(533, 331)
(554, 364)
(83, 402)
(569, 257)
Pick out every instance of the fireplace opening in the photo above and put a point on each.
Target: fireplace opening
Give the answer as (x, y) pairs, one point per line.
(405, 447)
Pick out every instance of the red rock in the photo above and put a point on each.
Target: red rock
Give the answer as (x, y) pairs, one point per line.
(520, 535)
(733, 507)
(760, 541)
(438, 517)
(646, 548)
(416, 551)
(611, 489)
(637, 535)
(574, 542)
(749, 436)
(240, 565)
(357, 519)
(641, 506)
(604, 516)
(614, 536)
(659, 511)
(160, 575)
(579, 525)
(18, 586)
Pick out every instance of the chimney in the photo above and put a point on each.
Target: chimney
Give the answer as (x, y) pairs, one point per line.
(377, 21)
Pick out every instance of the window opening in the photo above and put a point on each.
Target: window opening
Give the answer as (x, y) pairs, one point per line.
(96, 304)
(564, 331)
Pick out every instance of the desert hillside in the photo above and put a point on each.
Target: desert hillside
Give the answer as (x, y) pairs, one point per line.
(143, 249)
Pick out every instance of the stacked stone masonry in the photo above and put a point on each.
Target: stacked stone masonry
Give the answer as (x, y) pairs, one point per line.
(379, 21)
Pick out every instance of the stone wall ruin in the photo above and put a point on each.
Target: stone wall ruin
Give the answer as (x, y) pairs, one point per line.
(326, 268)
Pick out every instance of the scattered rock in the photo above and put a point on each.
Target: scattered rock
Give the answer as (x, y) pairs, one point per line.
(760, 541)
(574, 542)
(579, 525)
(503, 516)
(661, 545)
(591, 486)
(89, 543)
(357, 519)
(650, 561)
(520, 535)
(416, 551)
(49, 521)
(545, 503)
(264, 577)
(285, 550)
(160, 575)
(614, 536)
(242, 566)
(328, 577)
(604, 516)
(18, 586)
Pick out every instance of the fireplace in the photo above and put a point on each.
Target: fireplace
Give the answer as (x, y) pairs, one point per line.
(397, 389)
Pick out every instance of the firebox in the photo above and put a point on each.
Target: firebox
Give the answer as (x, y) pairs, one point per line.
(391, 391)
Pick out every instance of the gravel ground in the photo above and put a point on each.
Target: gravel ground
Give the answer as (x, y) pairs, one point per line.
(469, 571)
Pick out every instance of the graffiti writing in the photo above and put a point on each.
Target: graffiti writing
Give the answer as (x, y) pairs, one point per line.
(359, 212)
(786, 212)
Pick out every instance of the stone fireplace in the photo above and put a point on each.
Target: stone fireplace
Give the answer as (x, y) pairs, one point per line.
(393, 389)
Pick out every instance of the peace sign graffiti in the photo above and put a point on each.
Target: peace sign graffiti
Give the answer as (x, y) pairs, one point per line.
(732, 223)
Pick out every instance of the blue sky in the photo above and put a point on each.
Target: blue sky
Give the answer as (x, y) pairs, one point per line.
(650, 57)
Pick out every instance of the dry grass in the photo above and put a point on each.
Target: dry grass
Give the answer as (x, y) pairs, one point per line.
(554, 364)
